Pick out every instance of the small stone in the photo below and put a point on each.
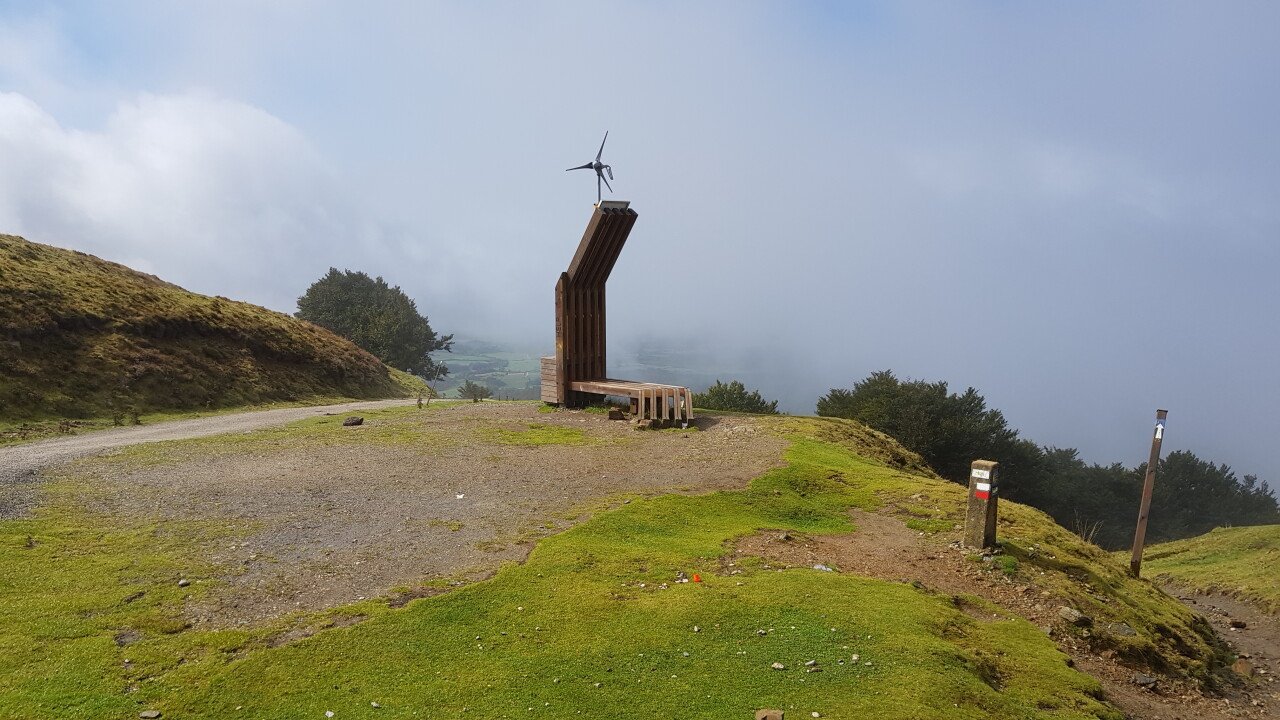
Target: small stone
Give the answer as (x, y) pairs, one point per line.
(855, 658)
(149, 714)
(769, 715)
(813, 669)
(328, 713)
(1239, 624)
(1122, 629)
(599, 685)
(351, 422)
(822, 567)
(762, 632)
(1243, 668)
(1075, 617)
(374, 705)
(778, 666)
(184, 582)
(811, 663)
(697, 629)
(815, 714)
(615, 414)
(784, 537)
(1144, 681)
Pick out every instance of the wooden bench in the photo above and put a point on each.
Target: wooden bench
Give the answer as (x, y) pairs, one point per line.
(575, 375)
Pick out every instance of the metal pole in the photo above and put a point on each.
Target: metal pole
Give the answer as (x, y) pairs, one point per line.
(1140, 535)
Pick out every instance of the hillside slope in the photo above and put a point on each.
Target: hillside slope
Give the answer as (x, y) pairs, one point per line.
(82, 337)
(1243, 562)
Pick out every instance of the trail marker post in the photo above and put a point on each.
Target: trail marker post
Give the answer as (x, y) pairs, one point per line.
(980, 516)
(1148, 484)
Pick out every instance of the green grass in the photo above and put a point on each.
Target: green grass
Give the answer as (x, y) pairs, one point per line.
(1243, 562)
(573, 615)
(84, 336)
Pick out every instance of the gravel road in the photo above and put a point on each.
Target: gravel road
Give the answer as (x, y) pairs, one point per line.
(19, 464)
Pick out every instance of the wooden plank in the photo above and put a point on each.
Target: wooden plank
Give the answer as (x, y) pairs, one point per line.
(562, 375)
(629, 222)
(593, 227)
(608, 246)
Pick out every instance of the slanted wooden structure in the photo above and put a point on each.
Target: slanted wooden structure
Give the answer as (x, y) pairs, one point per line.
(575, 376)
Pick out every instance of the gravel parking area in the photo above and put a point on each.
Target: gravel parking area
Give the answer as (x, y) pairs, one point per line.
(344, 513)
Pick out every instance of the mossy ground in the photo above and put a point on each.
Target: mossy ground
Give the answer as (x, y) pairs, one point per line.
(593, 624)
(1243, 562)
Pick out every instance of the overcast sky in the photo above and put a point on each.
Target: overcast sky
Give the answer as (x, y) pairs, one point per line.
(1070, 206)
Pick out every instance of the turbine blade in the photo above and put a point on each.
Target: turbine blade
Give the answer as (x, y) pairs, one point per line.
(606, 137)
(580, 167)
(606, 182)
(609, 169)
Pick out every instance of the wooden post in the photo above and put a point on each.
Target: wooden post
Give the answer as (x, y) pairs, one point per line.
(1148, 485)
(980, 516)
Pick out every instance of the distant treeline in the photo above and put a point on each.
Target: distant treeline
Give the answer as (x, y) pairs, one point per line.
(1099, 502)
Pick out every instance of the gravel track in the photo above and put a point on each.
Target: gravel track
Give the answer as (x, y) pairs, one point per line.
(20, 464)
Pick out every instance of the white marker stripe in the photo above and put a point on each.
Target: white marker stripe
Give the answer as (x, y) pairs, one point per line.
(982, 474)
(984, 487)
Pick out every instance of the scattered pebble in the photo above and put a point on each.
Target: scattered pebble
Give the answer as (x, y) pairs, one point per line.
(778, 666)
(1144, 681)
(184, 582)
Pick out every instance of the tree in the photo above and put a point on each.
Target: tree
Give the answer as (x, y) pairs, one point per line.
(1099, 502)
(377, 317)
(475, 392)
(949, 431)
(734, 396)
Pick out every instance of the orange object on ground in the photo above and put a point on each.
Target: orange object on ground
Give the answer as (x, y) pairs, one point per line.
(697, 577)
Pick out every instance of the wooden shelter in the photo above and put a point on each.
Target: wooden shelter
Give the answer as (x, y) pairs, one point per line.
(575, 376)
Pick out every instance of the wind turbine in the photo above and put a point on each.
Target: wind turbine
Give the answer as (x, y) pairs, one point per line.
(600, 169)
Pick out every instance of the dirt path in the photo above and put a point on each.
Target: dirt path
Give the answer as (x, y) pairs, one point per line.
(1252, 634)
(19, 464)
(883, 547)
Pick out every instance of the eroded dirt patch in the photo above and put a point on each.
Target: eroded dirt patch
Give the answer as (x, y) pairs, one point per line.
(884, 547)
(343, 519)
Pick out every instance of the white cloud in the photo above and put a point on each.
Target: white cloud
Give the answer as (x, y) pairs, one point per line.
(222, 195)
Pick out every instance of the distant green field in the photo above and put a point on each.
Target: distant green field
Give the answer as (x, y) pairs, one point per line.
(510, 375)
(1243, 562)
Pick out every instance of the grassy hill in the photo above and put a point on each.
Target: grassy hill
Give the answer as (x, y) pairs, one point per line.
(594, 623)
(81, 337)
(1243, 562)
